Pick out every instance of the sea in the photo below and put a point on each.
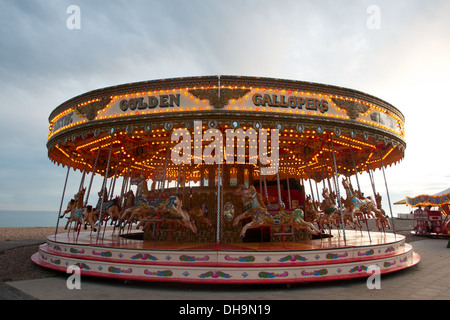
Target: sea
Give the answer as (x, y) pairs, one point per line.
(22, 218)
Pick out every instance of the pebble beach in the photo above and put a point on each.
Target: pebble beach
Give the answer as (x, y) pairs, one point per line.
(23, 233)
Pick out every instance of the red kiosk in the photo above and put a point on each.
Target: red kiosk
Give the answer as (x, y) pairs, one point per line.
(430, 222)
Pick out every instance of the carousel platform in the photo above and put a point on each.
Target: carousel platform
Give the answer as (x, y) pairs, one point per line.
(333, 258)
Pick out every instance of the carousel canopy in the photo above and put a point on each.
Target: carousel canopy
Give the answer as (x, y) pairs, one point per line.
(135, 126)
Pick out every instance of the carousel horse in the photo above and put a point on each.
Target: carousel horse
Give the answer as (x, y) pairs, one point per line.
(143, 204)
(200, 215)
(312, 214)
(129, 199)
(353, 205)
(162, 208)
(143, 207)
(255, 209)
(91, 215)
(75, 207)
(74, 213)
(330, 210)
(128, 203)
(196, 214)
(113, 210)
(364, 206)
(382, 220)
(142, 187)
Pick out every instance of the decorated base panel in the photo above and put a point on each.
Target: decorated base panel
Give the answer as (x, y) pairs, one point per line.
(315, 260)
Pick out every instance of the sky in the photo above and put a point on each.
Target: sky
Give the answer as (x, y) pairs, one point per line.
(396, 50)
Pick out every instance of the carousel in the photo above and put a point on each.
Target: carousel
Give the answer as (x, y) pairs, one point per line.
(225, 179)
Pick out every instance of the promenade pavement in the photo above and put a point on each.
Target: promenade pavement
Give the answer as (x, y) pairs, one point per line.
(428, 280)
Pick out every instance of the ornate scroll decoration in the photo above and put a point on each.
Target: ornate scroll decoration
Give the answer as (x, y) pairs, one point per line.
(90, 110)
(354, 109)
(213, 97)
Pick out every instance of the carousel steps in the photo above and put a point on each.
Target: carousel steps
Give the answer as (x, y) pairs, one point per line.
(207, 264)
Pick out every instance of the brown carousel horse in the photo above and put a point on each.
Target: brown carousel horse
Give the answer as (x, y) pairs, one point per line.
(129, 199)
(111, 211)
(382, 221)
(363, 206)
(200, 215)
(163, 208)
(312, 213)
(91, 215)
(75, 207)
(137, 207)
(330, 210)
(128, 202)
(353, 204)
(255, 209)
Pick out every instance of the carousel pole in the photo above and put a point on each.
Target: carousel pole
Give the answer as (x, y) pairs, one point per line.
(165, 166)
(260, 183)
(280, 202)
(372, 181)
(359, 190)
(178, 180)
(329, 183)
(265, 189)
(82, 178)
(219, 181)
(310, 183)
(300, 181)
(111, 188)
(184, 184)
(338, 195)
(219, 202)
(122, 191)
(317, 189)
(389, 199)
(62, 198)
(93, 174)
(103, 188)
(288, 189)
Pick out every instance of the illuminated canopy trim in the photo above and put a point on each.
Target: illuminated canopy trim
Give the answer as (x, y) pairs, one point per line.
(140, 116)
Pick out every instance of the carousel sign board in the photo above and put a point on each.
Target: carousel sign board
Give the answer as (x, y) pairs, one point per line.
(254, 100)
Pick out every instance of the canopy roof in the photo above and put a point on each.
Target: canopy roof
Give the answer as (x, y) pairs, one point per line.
(130, 127)
(438, 199)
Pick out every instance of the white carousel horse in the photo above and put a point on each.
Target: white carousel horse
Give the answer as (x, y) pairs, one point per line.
(255, 209)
